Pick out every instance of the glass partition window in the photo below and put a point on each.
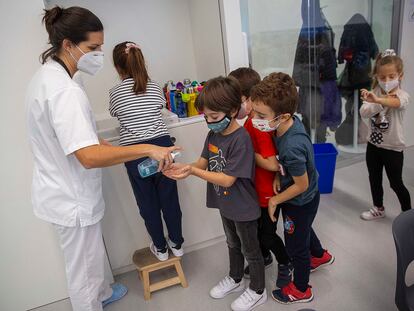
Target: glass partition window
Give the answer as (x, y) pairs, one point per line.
(328, 48)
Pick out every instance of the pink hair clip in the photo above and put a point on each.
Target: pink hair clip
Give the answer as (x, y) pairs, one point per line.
(131, 45)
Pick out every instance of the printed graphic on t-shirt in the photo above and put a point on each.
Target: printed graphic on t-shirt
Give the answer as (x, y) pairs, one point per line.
(380, 125)
(216, 164)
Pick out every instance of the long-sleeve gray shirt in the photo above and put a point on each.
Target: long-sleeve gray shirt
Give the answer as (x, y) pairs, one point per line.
(386, 124)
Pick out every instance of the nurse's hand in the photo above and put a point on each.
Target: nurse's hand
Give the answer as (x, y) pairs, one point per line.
(163, 156)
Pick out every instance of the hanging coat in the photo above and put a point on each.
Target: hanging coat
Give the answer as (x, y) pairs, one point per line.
(357, 48)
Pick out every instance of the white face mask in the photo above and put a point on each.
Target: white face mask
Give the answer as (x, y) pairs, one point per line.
(90, 62)
(389, 85)
(264, 125)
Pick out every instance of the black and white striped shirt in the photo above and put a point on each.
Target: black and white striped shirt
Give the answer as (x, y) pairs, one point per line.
(139, 115)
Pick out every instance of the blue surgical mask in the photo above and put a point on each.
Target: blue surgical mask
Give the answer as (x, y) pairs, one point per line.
(219, 126)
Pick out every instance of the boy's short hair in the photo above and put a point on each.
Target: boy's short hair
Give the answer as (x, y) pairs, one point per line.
(247, 78)
(220, 94)
(278, 91)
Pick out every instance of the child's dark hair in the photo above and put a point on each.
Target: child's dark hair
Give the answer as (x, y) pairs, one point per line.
(129, 61)
(73, 23)
(220, 94)
(278, 91)
(247, 78)
(384, 59)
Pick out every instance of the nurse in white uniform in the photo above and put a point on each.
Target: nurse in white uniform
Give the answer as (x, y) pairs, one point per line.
(67, 186)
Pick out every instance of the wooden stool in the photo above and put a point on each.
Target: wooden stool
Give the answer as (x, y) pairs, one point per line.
(146, 262)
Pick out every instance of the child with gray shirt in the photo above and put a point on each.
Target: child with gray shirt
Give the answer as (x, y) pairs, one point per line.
(385, 106)
(227, 163)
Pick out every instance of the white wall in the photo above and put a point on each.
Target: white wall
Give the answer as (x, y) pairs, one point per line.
(234, 44)
(179, 39)
(31, 263)
(207, 38)
(163, 30)
(407, 48)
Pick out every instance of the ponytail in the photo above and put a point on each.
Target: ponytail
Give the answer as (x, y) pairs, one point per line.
(129, 61)
(49, 19)
(137, 70)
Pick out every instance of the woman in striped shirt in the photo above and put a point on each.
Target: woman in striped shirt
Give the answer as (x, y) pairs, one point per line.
(137, 102)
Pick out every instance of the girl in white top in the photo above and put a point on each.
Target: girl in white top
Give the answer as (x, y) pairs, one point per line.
(68, 155)
(385, 107)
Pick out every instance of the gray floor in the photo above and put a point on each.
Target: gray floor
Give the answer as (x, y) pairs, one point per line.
(362, 277)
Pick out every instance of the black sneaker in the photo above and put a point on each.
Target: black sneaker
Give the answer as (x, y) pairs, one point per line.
(284, 275)
(268, 260)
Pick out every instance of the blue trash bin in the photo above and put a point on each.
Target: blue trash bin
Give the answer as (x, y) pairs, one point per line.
(325, 162)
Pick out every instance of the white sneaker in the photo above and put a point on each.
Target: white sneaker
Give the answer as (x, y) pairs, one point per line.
(373, 213)
(225, 287)
(161, 256)
(178, 252)
(249, 300)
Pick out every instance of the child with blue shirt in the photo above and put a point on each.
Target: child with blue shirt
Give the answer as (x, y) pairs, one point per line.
(227, 163)
(274, 102)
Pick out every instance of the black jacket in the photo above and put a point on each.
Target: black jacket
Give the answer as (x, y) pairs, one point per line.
(357, 48)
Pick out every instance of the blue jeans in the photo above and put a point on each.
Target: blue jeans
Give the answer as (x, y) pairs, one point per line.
(157, 194)
(300, 239)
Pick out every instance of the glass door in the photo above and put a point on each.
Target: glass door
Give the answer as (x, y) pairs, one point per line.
(329, 49)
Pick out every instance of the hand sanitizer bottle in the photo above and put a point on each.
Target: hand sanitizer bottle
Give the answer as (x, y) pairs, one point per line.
(149, 166)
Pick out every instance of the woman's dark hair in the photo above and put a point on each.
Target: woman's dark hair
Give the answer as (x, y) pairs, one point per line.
(129, 61)
(73, 23)
(220, 94)
(278, 91)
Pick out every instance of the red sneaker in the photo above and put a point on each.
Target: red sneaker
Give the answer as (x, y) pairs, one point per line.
(290, 294)
(325, 260)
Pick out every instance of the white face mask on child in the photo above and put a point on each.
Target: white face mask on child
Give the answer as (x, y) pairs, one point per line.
(389, 85)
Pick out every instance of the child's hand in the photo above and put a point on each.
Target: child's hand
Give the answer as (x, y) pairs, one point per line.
(368, 96)
(276, 184)
(272, 208)
(178, 171)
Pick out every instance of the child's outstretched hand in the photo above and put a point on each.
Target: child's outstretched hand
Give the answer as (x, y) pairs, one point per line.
(368, 96)
(178, 171)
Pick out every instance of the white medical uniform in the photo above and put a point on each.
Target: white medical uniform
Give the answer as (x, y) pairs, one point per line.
(60, 122)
